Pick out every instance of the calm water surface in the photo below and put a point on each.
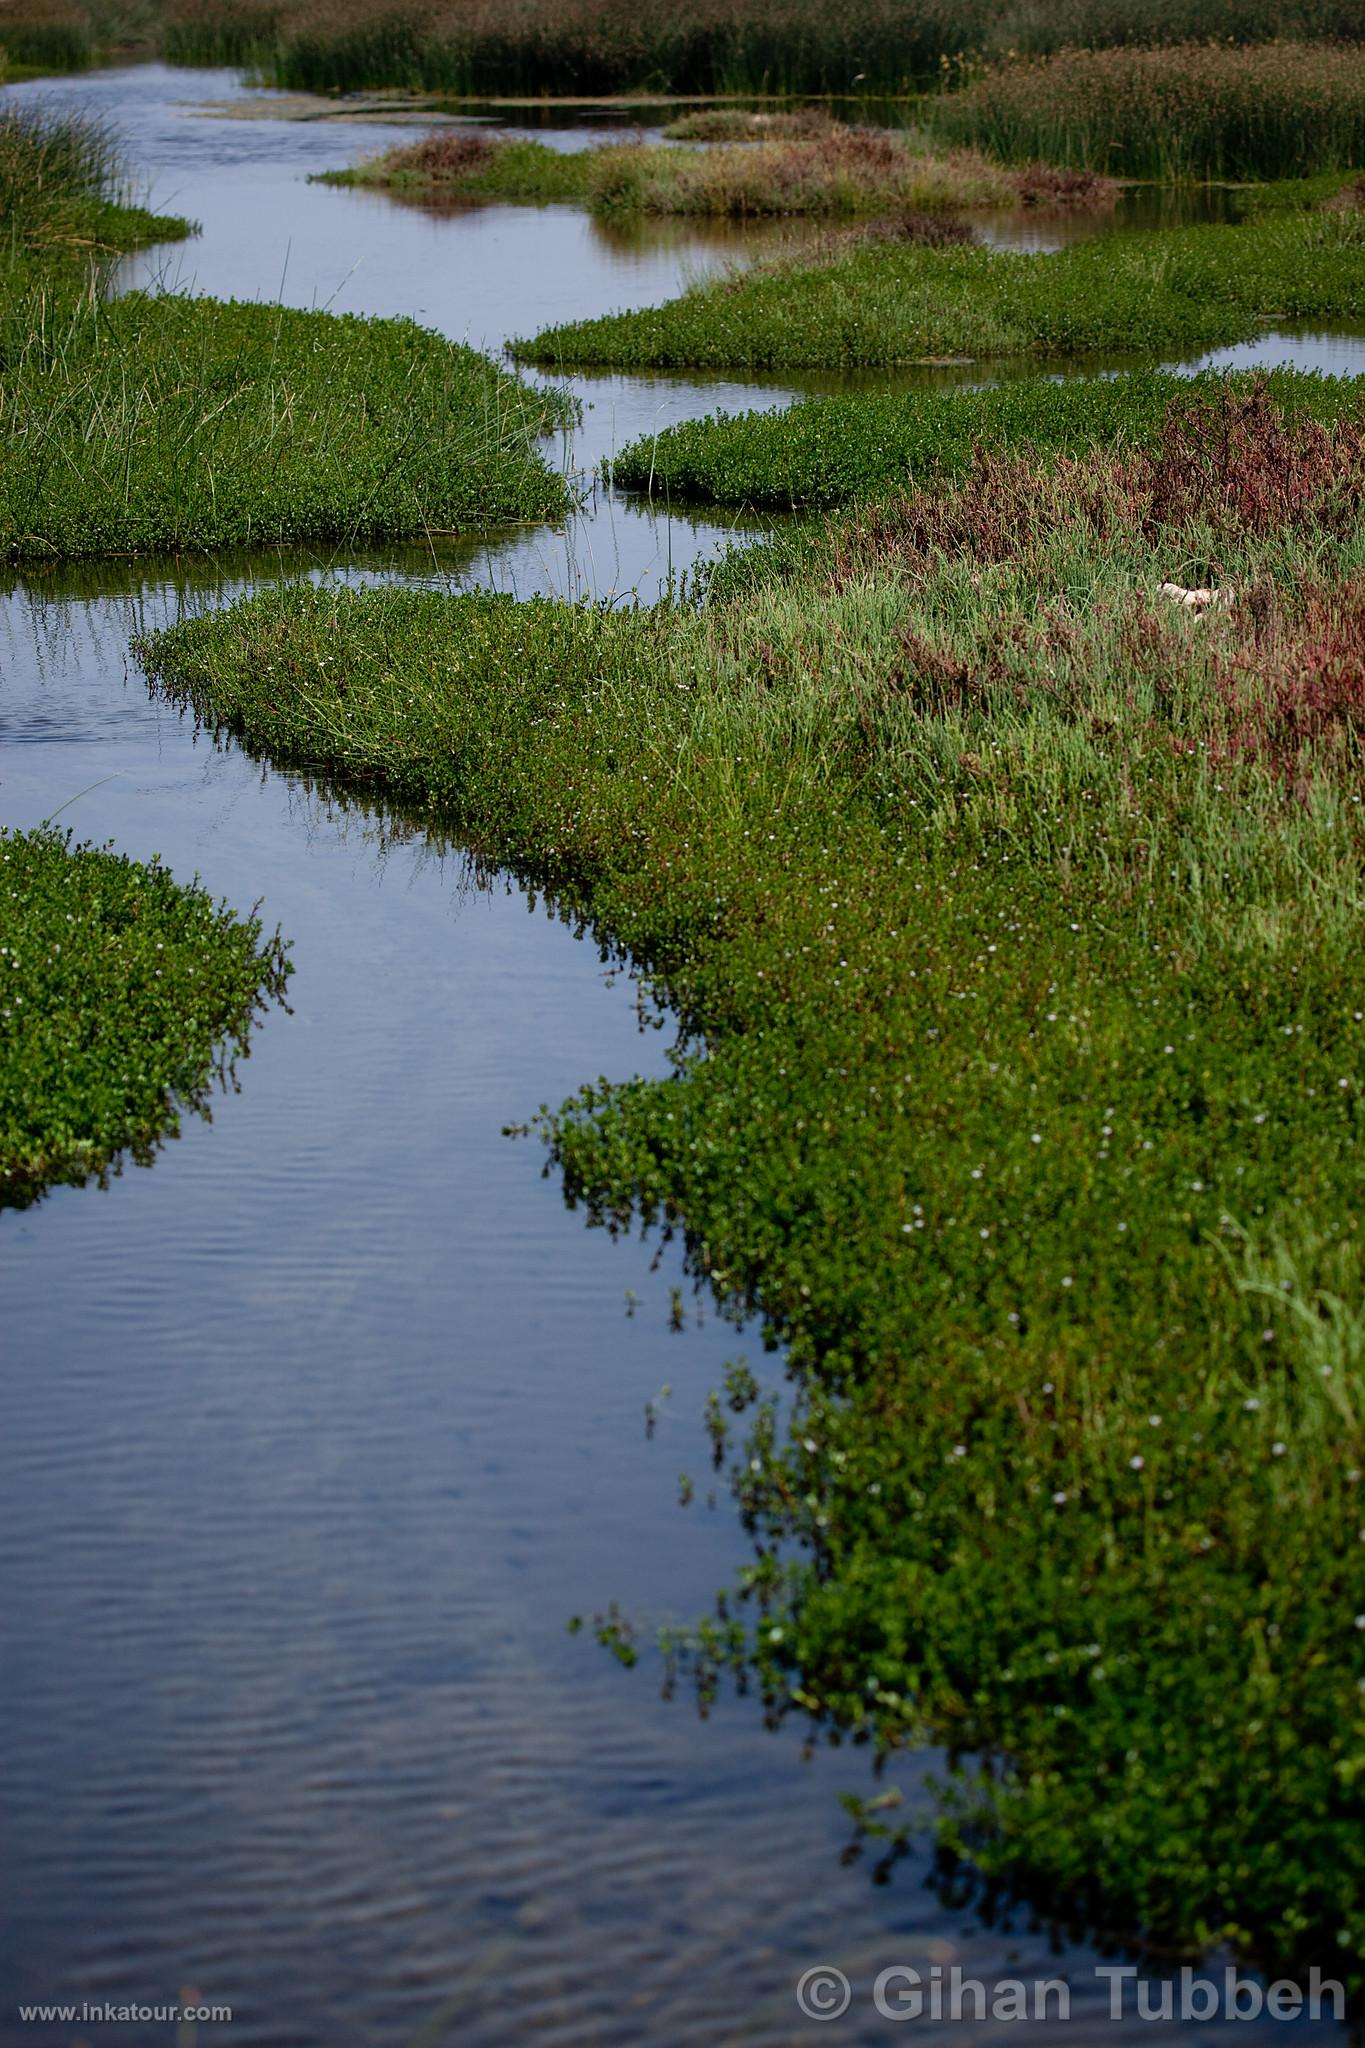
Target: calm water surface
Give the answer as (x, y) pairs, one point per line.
(319, 1432)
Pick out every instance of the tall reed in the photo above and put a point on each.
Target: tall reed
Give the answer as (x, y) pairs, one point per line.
(600, 46)
(1194, 110)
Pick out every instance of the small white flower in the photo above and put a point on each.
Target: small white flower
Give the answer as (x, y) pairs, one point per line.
(1137, 1462)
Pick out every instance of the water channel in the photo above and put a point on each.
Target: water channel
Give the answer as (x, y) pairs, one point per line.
(320, 1431)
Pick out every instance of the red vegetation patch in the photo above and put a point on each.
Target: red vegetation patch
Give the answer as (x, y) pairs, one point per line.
(1239, 467)
(445, 153)
(1300, 685)
(1048, 185)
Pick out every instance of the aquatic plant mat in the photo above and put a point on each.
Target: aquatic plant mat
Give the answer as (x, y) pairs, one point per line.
(124, 998)
(1011, 905)
(887, 303)
(175, 423)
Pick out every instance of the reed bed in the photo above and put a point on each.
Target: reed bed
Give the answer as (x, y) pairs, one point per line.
(1182, 290)
(168, 423)
(1196, 110)
(47, 36)
(717, 46)
(123, 997)
(1013, 911)
(837, 171)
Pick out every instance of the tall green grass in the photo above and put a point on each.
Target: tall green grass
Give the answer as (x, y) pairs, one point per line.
(1013, 913)
(118, 988)
(716, 46)
(1197, 110)
(1175, 290)
(825, 451)
(167, 423)
(63, 193)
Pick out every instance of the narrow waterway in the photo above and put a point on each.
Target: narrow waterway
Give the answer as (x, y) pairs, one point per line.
(320, 1432)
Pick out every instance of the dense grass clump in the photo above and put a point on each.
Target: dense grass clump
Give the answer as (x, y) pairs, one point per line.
(62, 193)
(835, 171)
(1198, 110)
(164, 423)
(1180, 289)
(119, 989)
(1011, 908)
(482, 47)
(825, 451)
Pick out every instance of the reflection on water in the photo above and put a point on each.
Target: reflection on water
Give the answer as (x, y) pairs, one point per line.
(319, 1432)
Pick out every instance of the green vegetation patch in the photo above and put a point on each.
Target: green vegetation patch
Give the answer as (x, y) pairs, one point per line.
(62, 196)
(825, 451)
(1011, 907)
(170, 423)
(123, 995)
(1197, 110)
(884, 304)
(823, 169)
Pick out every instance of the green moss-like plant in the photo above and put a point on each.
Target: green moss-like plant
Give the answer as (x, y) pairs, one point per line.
(123, 995)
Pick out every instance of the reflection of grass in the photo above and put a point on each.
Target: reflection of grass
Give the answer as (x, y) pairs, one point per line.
(834, 170)
(1200, 110)
(166, 423)
(1015, 914)
(826, 450)
(1188, 288)
(117, 986)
